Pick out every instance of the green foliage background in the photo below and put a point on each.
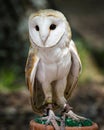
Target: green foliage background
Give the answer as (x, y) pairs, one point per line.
(14, 42)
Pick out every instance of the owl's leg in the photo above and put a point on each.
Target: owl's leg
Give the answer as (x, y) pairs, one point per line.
(67, 110)
(69, 113)
(50, 116)
(47, 89)
(60, 88)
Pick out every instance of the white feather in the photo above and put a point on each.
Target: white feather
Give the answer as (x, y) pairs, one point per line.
(55, 51)
(33, 73)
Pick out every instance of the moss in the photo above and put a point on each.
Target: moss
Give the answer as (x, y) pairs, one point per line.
(68, 122)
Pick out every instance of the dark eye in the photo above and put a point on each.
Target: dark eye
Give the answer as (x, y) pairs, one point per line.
(37, 28)
(52, 27)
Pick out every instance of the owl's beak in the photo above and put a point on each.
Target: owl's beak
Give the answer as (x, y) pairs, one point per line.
(44, 38)
(44, 32)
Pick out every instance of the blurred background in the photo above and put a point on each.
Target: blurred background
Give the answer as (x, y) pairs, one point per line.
(86, 19)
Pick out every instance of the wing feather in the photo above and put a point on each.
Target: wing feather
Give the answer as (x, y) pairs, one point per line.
(30, 69)
(32, 83)
(74, 71)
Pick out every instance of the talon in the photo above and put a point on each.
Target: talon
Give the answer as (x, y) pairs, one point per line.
(75, 116)
(68, 112)
(51, 118)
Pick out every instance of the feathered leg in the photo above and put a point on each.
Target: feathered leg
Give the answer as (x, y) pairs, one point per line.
(60, 88)
(67, 110)
(61, 85)
(49, 112)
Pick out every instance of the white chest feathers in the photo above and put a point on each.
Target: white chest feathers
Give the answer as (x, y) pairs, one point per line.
(54, 64)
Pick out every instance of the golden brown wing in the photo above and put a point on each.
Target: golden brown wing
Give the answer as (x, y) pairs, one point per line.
(30, 69)
(33, 84)
(74, 71)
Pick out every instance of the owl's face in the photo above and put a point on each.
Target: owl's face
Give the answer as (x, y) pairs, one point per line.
(46, 29)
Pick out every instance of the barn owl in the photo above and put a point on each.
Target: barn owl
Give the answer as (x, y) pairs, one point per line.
(53, 64)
